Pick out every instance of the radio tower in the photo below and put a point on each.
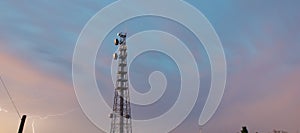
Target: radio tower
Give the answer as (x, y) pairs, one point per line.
(121, 116)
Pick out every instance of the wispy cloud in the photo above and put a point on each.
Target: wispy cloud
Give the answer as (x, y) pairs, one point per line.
(36, 93)
(261, 41)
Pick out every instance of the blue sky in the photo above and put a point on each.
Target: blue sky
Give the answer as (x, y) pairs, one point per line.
(260, 39)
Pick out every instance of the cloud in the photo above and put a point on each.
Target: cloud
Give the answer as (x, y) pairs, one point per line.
(36, 93)
(29, 85)
(262, 94)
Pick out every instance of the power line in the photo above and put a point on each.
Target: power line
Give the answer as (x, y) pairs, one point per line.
(12, 101)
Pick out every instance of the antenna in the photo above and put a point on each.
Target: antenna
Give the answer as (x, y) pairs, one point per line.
(12, 101)
(23, 119)
(22, 124)
(121, 115)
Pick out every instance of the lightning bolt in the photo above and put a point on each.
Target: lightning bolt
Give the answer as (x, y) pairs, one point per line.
(32, 126)
(36, 117)
(3, 110)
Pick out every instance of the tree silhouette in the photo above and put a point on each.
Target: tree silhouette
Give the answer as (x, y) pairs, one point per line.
(244, 130)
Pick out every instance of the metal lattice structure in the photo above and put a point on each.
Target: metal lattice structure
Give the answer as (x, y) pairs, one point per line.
(121, 116)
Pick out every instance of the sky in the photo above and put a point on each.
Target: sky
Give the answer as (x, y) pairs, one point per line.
(261, 41)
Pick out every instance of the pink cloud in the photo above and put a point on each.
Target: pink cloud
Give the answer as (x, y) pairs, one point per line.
(35, 92)
(261, 98)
